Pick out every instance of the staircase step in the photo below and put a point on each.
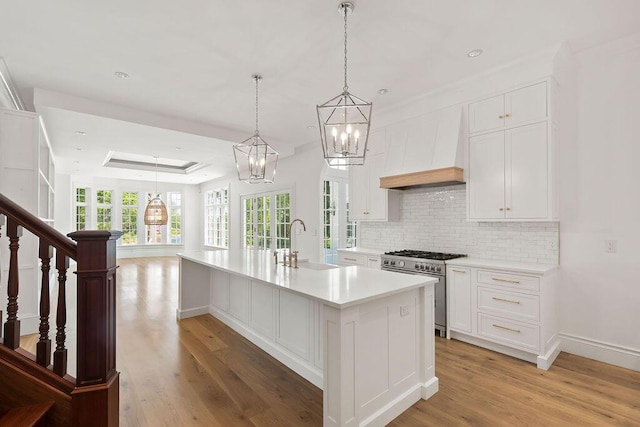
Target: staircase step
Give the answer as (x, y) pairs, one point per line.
(26, 416)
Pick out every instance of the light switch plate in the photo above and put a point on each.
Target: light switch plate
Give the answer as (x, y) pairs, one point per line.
(611, 246)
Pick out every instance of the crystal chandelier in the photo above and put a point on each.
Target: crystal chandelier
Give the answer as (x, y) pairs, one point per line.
(256, 161)
(156, 212)
(345, 119)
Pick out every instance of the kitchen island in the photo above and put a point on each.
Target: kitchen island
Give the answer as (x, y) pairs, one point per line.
(365, 336)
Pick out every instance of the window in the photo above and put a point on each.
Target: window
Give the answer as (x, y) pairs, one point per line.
(175, 217)
(217, 218)
(261, 215)
(81, 209)
(172, 232)
(337, 230)
(283, 219)
(129, 218)
(103, 199)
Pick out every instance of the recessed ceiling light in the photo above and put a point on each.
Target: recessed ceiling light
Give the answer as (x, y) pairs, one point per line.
(76, 161)
(121, 75)
(77, 148)
(81, 133)
(474, 53)
(178, 148)
(311, 127)
(383, 91)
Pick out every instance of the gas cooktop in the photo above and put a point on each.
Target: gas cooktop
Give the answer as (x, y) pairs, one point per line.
(424, 255)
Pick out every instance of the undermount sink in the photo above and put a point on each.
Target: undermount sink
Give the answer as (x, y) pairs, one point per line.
(316, 266)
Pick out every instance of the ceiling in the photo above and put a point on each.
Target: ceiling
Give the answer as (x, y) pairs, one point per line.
(190, 65)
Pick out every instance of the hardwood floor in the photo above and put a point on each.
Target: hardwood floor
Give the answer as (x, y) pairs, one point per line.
(200, 372)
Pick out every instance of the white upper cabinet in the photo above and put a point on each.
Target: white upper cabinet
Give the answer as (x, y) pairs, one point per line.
(367, 201)
(515, 108)
(510, 172)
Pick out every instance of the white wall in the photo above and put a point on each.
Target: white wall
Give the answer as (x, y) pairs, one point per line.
(599, 295)
(299, 173)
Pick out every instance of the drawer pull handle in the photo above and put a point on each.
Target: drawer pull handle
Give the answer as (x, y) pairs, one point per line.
(459, 271)
(506, 329)
(497, 279)
(506, 300)
(351, 259)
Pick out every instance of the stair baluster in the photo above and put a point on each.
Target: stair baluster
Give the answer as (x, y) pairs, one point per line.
(12, 325)
(43, 348)
(60, 355)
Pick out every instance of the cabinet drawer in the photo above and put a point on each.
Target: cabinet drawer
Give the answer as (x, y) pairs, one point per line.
(514, 281)
(509, 332)
(352, 259)
(512, 304)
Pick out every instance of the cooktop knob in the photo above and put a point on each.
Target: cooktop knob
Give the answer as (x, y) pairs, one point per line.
(438, 269)
(400, 263)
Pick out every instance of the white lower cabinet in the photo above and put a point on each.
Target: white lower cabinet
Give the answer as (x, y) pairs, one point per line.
(506, 307)
(459, 290)
(359, 256)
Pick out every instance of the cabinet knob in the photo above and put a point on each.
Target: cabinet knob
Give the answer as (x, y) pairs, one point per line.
(501, 117)
(501, 209)
(507, 209)
(507, 115)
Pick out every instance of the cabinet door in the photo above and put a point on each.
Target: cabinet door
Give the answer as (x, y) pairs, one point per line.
(377, 210)
(459, 290)
(486, 176)
(358, 192)
(526, 172)
(486, 115)
(373, 261)
(526, 105)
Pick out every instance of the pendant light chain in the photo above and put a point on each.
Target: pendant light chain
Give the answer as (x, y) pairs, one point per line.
(346, 11)
(156, 175)
(257, 79)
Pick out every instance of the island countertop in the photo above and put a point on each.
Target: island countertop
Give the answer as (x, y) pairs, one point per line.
(339, 287)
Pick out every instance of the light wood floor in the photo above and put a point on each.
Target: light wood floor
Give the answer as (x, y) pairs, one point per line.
(199, 372)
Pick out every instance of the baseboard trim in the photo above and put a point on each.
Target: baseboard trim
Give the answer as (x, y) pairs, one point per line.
(391, 410)
(192, 312)
(545, 361)
(601, 351)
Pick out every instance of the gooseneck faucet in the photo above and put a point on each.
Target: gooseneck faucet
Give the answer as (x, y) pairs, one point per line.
(291, 251)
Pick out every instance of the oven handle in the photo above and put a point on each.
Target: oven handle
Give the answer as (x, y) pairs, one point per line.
(411, 272)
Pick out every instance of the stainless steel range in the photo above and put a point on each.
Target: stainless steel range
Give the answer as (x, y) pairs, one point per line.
(427, 263)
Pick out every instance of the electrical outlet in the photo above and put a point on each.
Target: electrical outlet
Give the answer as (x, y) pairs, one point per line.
(554, 245)
(404, 310)
(611, 246)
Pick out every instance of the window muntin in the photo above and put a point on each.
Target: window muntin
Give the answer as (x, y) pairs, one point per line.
(129, 218)
(266, 220)
(81, 206)
(104, 209)
(175, 217)
(217, 218)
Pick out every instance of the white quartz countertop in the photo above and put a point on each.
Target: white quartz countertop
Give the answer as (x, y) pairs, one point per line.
(521, 267)
(364, 251)
(339, 287)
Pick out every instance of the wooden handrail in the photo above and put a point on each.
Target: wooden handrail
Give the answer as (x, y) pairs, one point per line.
(36, 226)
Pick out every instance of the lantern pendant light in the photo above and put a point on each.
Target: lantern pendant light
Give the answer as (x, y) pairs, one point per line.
(344, 120)
(156, 212)
(256, 161)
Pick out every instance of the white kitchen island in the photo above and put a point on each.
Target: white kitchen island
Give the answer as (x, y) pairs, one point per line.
(365, 336)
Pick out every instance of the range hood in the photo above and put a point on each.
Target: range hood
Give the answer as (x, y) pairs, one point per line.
(426, 151)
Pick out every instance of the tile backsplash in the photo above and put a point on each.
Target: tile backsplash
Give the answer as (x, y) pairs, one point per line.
(435, 219)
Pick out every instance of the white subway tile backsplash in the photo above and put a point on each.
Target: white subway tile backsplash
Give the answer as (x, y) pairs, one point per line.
(435, 219)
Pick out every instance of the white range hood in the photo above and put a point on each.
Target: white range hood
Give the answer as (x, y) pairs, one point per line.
(427, 150)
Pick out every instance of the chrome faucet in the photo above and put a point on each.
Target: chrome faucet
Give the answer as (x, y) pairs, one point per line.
(291, 251)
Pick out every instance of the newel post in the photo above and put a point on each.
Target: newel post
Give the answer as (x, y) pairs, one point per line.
(96, 399)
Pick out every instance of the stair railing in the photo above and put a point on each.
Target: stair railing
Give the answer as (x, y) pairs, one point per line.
(92, 390)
